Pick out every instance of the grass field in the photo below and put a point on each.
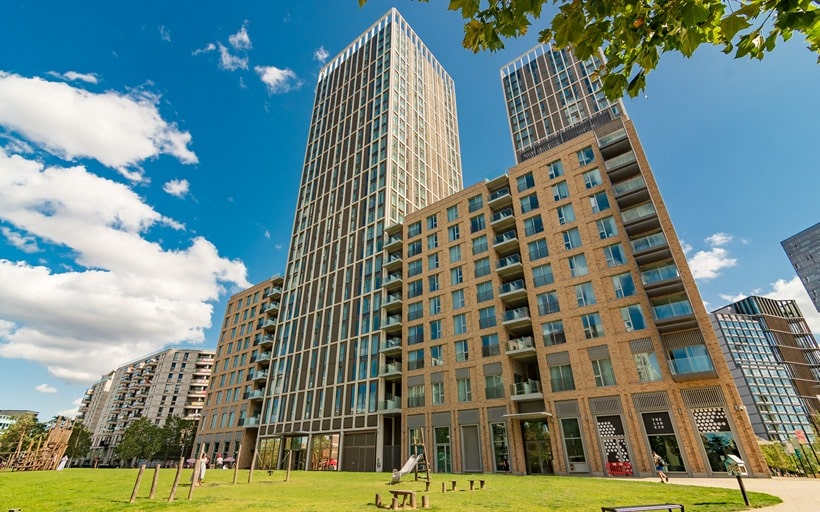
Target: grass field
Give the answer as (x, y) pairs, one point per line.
(109, 490)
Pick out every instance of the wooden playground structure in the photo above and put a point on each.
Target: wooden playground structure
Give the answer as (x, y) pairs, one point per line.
(43, 453)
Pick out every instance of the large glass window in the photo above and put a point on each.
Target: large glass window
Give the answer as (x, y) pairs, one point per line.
(566, 214)
(414, 288)
(465, 392)
(462, 348)
(414, 268)
(529, 203)
(477, 223)
(432, 283)
(538, 249)
(484, 291)
(578, 265)
(443, 455)
(437, 355)
(593, 327)
(560, 191)
(435, 329)
(573, 441)
(486, 317)
(415, 359)
(413, 248)
(586, 156)
(561, 378)
(489, 345)
(438, 393)
(623, 284)
(432, 241)
(614, 255)
(475, 203)
(662, 440)
(585, 294)
(633, 318)
(432, 222)
(460, 324)
(542, 275)
(572, 238)
(435, 305)
(414, 229)
(456, 275)
(533, 225)
(493, 387)
(602, 370)
(548, 303)
(482, 267)
(452, 213)
(415, 334)
(415, 310)
(525, 182)
(501, 451)
(458, 299)
(553, 333)
(606, 227)
(455, 253)
(599, 202)
(432, 261)
(648, 368)
(592, 178)
(480, 244)
(453, 233)
(415, 396)
(555, 169)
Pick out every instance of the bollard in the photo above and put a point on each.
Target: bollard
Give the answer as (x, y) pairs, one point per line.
(443, 487)
(137, 484)
(378, 500)
(154, 483)
(425, 501)
(394, 505)
(176, 480)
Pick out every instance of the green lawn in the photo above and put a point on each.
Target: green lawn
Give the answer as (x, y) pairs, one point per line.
(107, 490)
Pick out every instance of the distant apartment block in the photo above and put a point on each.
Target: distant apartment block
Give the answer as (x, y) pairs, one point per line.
(803, 250)
(9, 417)
(232, 412)
(775, 362)
(171, 382)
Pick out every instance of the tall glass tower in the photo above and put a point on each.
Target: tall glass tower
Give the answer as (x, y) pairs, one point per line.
(383, 142)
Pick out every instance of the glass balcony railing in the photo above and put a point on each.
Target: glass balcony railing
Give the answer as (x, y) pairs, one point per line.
(508, 261)
(637, 213)
(671, 310)
(525, 388)
(609, 138)
(495, 194)
(694, 364)
(513, 286)
(520, 344)
(505, 237)
(629, 185)
(648, 242)
(392, 320)
(516, 314)
(659, 274)
(390, 368)
(618, 161)
(503, 214)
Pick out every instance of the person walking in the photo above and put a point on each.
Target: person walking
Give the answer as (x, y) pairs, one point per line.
(659, 467)
(203, 467)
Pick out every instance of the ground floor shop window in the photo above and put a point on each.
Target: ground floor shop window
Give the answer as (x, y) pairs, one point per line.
(573, 443)
(613, 438)
(501, 448)
(716, 435)
(662, 439)
(444, 462)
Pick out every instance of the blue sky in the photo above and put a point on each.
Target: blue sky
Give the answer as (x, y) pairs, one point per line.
(150, 156)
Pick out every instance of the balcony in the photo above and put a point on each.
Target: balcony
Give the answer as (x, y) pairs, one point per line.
(506, 242)
(513, 292)
(196, 392)
(673, 314)
(392, 282)
(502, 219)
(631, 192)
(195, 404)
(392, 242)
(198, 371)
(501, 197)
(251, 422)
(613, 143)
(392, 302)
(650, 248)
(662, 280)
(392, 324)
(691, 368)
(510, 266)
(265, 341)
(640, 219)
(390, 346)
(269, 324)
(272, 308)
(622, 167)
(262, 359)
(390, 371)
(199, 382)
(261, 375)
(276, 291)
(390, 407)
(530, 390)
(256, 394)
(393, 261)
(517, 318)
(520, 348)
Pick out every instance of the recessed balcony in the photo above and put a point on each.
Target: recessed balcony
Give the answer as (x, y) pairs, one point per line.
(530, 390)
(265, 341)
(392, 242)
(517, 318)
(502, 219)
(392, 282)
(506, 242)
(392, 302)
(390, 371)
(692, 368)
(510, 267)
(393, 261)
(622, 166)
(261, 375)
(500, 197)
(391, 345)
(520, 348)
(513, 292)
(390, 407)
(392, 324)
(256, 394)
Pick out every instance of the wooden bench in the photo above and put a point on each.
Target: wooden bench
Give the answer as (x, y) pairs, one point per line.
(404, 495)
(669, 507)
(619, 468)
(480, 484)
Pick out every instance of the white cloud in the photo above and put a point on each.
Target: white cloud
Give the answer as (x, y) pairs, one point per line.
(164, 33)
(707, 264)
(73, 75)
(22, 242)
(130, 295)
(241, 40)
(267, 234)
(45, 388)
(178, 188)
(278, 80)
(208, 48)
(73, 411)
(229, 61)
(320, 54)
(126, 128)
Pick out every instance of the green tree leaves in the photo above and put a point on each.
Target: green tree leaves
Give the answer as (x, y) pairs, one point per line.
(141, 440)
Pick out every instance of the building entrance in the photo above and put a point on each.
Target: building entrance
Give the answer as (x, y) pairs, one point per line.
(537, 448)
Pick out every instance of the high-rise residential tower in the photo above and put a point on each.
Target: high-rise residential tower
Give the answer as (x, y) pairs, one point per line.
(383, 142)
(775, 361)
(551, 97)
(803, 250)
(230, 418)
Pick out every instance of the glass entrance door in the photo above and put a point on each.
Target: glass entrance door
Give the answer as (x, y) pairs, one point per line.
(537, 448)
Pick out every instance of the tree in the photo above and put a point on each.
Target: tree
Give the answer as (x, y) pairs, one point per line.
(141, 440)
(177, 437)
(26, 428)
(79, 442)
(634, 33)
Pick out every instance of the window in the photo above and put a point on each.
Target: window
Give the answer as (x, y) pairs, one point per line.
(555, 169)
(529, 203)
(435, 330)
(432, 241)
(455, 253)
(462, 350)
(606, 227)
(592, 178)
(602, 369)
(438, 393)
(432, 222)
(484, 291)
(415, 359)
(415, 334)
(489, 345)
(456, 275)
(548, 303)
(614, 255)
(586, 156)
(648, 368)
(486, 317)
(633, 318)
(578, 265)
(482, 267)
(599, 202)
(453, 233)
(553, 333)
(414, 268)
(624, 286)
(480, 244)
(465, 394)
(460, 324)
(538, 249)
(477, 223)
(561, 378)
(414, 248)
(525, 182)
(493, 387)
(435, 305)
(565, 214)
(414, 288)
(573, 442)
(415, 311)
(458, 299)
(475, 202)
(593, 327)
(560, 191)
(533, 225)
(436, 355)
(585, 294)
(542, 275)
(414, 229)
(452, 213)
(432, 282)
(572, 238)
(415, 396)
(432, 261)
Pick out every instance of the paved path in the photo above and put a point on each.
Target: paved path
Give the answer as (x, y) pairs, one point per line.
(798, 494)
